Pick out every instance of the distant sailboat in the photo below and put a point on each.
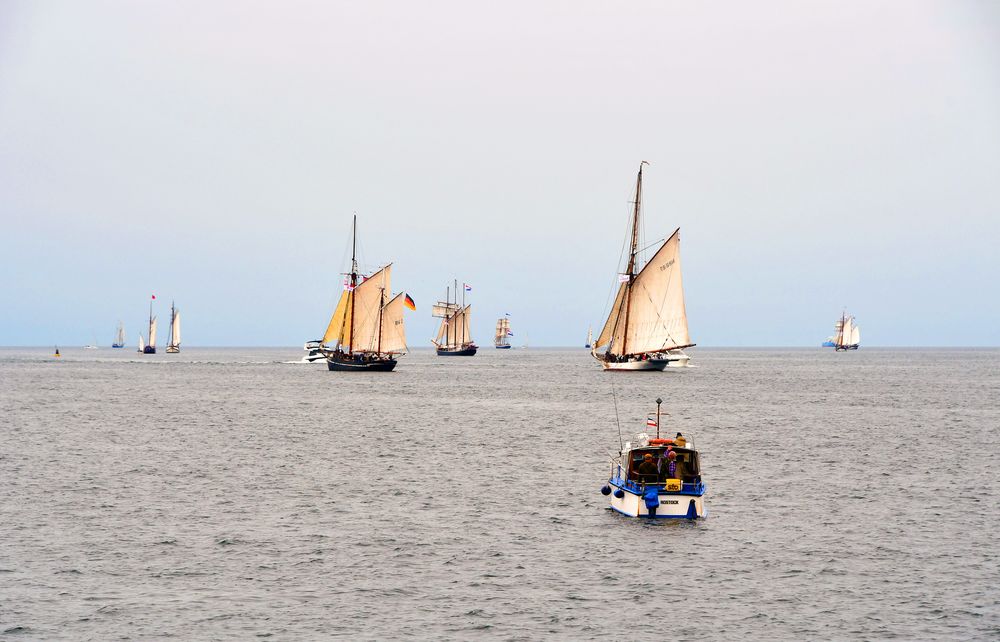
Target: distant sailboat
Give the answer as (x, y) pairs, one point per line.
(174, 346)
(590, 337)
(848, 335)
(454, 338)
(119, 341)
(142, 346)
(150, 348)
(647, 328)
(92, 345)
(57, 355)
(366, 329)
(502, 338)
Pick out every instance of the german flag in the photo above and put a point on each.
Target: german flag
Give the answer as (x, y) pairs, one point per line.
(408, 302)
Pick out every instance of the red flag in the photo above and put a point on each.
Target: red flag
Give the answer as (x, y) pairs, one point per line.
(154, 297)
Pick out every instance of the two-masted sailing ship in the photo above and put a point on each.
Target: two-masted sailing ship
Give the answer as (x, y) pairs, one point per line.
(503, 334)
(454, 338)
(174, 346)
(847, 335)
(647, 328)
(149, 347)
(119, 341)
(366, 330)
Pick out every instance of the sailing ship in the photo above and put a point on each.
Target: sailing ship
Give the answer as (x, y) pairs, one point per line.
(150, 347)
(142, 345)
(366, 330)
(657, 477)
(848, 336)
(647, 328)
(502, 337)
(590, 337)
(454, 338)
(119, 341)
(174, 345)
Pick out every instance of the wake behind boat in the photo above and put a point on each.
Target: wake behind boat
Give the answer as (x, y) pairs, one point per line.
(366, 329)
(647, 328)
(657, 477)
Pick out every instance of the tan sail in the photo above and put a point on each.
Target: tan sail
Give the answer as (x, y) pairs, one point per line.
(175, 331)
(338, 330)
(617, 310)
(152, 332)
(657, 318)
(442, 309)
(369, 297)
(503, 328)
(393, 330)
(454, 330)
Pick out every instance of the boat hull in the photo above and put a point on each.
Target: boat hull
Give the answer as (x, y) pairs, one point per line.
(172, 350)
(115, 345)
(338, 362)
(672, 505)
(149, 350)
(845, 348)
(503, 347)
(648, 364)
(464, 352)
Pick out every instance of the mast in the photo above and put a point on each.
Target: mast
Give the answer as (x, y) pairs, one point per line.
(381, 311)
(631, 258)
(354, 276)
(447, 320)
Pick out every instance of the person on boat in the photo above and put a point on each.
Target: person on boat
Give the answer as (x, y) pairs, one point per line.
(647, 470)
(680, 441)
(672, 469)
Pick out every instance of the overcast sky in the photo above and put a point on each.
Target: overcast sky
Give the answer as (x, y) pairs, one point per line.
(815, 156)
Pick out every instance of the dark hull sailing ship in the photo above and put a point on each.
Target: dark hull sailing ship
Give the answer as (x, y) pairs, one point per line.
(502, 337)
(848, 335)
(175, 330)
(647, 328)
(366, 330)
(454, 338)
(150, 346)
(119, 341)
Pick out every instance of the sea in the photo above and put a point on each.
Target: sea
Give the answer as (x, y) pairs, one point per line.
(232, 493)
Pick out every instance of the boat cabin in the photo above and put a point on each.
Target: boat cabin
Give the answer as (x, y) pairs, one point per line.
(688, 468)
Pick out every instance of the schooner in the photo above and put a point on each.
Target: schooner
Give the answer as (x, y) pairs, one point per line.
(647, 328)
(501, 339)
(366, 330)
(150, 346)
(119, 341)
(848, 335)
(175, 330)
(454, 338)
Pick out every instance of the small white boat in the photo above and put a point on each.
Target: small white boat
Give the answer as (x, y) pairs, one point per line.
(314, 352)
(657, 477)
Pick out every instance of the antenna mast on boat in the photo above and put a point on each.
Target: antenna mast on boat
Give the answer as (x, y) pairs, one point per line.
(658, 402)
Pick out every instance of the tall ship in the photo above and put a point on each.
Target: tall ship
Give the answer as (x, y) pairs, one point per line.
(503, 334)
(366, 331)
(150, 346)
(174, 346)
(647, 328)
(454, 338)
(119, 341)
(848, 336)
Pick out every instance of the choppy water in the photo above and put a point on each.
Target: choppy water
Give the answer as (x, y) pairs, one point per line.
(223, 493)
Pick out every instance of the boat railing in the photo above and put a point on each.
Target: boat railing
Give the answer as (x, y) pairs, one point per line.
(638, 487)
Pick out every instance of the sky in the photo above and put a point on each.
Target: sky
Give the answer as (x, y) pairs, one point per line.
(816, 156)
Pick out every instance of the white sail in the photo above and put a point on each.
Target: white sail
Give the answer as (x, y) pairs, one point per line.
(442, 309)
(454, 330)
(142, 344)
(590, 336)
(120, 334)
(152, 332)
(175, 330)
(649, 315)
(852, 335)
(502, 331)
(393, 330)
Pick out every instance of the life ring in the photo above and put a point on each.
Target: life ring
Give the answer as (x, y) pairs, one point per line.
(661, 442)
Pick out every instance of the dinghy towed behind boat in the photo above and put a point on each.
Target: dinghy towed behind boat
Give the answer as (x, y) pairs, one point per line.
(654, 477)
(647, 328)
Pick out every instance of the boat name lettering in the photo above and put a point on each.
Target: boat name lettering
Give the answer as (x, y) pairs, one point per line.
(668, 264)
(668, 501)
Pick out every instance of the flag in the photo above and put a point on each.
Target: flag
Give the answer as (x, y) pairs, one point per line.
(154, 297)
(506, 314)
(347, 284)
(624, 278)
(509, 333)
(650, 423)
(408, 302)
(468, 288)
